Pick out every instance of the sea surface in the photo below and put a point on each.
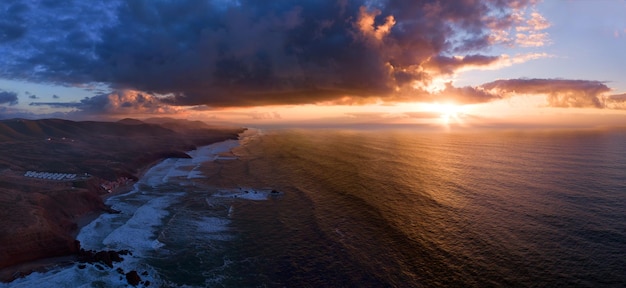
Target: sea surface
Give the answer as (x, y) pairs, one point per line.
(356, 208)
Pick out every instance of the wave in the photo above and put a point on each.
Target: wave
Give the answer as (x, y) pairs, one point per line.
(143, 212)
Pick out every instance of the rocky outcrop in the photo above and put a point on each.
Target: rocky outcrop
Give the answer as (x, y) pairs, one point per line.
(107, 257)
(133, 278)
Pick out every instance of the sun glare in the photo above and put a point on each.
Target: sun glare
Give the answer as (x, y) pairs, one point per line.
(448, 112)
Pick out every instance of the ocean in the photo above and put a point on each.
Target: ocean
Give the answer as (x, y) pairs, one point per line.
(371, 208)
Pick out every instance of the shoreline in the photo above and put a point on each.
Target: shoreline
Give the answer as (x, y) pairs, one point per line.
(86, 219)
(11, 273)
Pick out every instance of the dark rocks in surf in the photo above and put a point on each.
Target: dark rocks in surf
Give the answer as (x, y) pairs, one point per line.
(105, 257)
(276, 193)
(133, 278)
(110, 210)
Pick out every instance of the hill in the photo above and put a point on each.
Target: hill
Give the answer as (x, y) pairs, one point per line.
(38, 216)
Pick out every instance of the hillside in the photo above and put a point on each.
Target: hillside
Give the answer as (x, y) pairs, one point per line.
(39, 215)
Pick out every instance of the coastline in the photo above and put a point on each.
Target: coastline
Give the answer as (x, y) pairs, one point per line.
(8, 274)
(84, 220)
(11, 273)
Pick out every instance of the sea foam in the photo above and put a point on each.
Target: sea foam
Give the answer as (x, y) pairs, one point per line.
(135, 227)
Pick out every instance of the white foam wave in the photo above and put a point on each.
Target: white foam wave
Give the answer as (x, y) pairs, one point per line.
(213, 228)
(88, 275)
(138, 233)
(136, 226)
(244, 193)
(212, 225)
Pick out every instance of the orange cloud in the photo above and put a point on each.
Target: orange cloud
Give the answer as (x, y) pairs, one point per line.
(520, 29)
(136, 102)
(616, 101)
(365, 24)
(531, 35)
(558, 92)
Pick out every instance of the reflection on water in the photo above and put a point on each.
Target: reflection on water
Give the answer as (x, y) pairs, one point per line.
(402, 208)
(377, 209)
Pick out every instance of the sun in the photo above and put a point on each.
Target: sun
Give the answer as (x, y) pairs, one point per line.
(448, 112)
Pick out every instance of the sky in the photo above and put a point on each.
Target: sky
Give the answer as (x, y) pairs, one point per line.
(451, 64)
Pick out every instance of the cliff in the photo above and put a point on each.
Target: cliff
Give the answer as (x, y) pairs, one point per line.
(38, 216)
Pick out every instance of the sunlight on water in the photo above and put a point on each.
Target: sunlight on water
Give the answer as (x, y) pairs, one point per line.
(460, 209)
(330, 208)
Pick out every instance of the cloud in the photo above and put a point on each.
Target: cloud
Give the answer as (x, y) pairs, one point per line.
(55, 96)
(616, 101)
(558, 92)
(522, 28)
(422, 115)
(467, 95)
(57, 104)
(531, 34)
(449, 65)
(32, 96)
(125, 102)
(444, 65)
(264, 115)
(532, 39)
(249, 52)
(11, 25)
(11, 112)
(366, 24)
(7, 97)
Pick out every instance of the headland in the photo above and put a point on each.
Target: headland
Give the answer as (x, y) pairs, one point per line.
(54, 175)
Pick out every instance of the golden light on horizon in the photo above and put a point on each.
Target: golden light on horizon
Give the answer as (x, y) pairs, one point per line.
(448, 112)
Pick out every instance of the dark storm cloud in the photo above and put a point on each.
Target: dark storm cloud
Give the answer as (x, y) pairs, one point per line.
(7, 97)
(559, 92)
(249, 52)
(13, 24)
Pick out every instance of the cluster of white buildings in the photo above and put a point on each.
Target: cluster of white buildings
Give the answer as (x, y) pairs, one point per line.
(50, 176)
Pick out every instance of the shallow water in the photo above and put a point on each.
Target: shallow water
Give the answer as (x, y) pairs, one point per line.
(375, 209)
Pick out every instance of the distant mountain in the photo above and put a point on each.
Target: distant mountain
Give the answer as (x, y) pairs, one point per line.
(22, 129)
(131, 121)
(100, 148)
(181, 125)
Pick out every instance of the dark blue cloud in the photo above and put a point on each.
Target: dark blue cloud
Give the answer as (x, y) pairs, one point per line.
(246, 52)
(119, 102)
(13, 24)
(7, 97)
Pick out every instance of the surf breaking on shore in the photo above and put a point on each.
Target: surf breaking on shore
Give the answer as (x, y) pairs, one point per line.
(143, 212)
